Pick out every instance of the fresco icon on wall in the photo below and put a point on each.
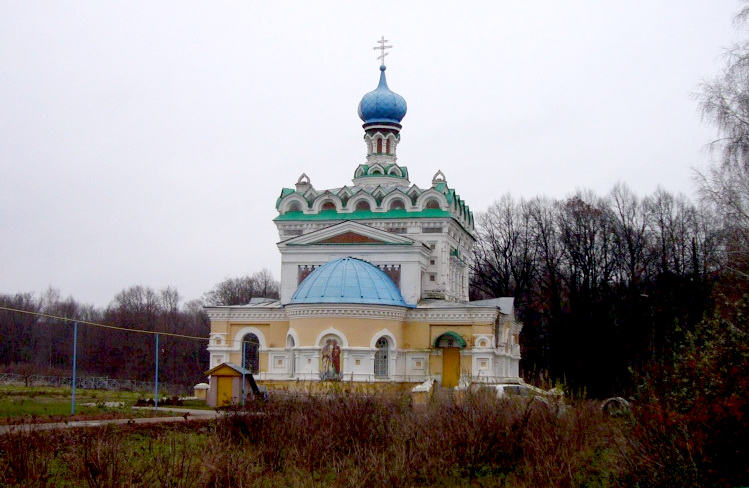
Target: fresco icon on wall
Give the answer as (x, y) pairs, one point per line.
(330, 356)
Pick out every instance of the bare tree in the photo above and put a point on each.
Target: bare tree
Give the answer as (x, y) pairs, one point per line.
(266, 285)
(724, 101)
(505, 261)
(630, 224)
(239, 291)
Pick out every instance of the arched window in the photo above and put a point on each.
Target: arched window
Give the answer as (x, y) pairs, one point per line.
(362, 205)
(381, 358)
(379, 146)
(387, 146)
(397, 204)
(432, 203)
(251, 347)
(294, 207)
(328, 206)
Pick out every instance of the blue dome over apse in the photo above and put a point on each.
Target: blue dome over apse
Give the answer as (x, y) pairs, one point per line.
(348, 280)
(382, 105)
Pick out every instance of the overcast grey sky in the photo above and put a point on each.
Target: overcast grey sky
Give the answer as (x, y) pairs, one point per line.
(147, 142)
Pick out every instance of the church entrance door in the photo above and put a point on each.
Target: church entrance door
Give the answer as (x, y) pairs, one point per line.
(450, 366)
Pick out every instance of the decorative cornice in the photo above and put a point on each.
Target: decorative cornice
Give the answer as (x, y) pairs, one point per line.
(248, 314)
(453, 316)
(382, 312)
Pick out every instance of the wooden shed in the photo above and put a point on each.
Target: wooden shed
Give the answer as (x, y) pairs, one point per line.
(225, 385)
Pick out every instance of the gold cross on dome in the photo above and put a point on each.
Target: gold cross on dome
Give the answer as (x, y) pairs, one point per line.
(382, 48)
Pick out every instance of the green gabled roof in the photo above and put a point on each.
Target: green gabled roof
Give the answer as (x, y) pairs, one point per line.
(284, 192)
(365, 215)
(403, 169)
(450, 195)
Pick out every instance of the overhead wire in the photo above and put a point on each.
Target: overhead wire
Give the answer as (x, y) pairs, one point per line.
(104, 326)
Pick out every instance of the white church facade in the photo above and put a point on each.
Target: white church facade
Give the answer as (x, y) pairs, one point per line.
(374, 281)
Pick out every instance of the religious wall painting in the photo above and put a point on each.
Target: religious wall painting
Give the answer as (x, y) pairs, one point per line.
(330, 358)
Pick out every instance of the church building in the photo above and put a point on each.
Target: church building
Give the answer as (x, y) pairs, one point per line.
(374, 280)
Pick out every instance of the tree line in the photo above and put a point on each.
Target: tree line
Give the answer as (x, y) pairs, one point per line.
(603, 284)
(40, 344)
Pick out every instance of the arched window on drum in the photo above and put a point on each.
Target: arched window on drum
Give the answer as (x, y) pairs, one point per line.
(381, 358)
(251, 348)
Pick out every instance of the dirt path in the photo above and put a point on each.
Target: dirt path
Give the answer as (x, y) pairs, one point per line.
(182, 415)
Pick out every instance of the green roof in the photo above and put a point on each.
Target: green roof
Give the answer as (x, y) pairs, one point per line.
(366, 215)
(452, 335)
(284, 192)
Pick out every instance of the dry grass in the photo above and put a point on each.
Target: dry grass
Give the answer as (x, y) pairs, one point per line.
(347, 438)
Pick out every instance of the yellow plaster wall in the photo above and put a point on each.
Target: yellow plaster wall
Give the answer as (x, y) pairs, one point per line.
(483, 329)
(219, 326)
(416, 335)
(421, 335)
(277, 332)
(435, 364)
(359, 332)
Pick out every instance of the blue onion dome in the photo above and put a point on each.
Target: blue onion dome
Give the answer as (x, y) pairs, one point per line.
(348, 280)
(382, 106)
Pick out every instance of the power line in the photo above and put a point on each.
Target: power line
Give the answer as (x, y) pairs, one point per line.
(104, 326)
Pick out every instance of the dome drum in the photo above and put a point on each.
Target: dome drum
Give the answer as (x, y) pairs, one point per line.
(349, 281)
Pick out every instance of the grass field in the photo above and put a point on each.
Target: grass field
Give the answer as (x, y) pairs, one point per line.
(22, 404)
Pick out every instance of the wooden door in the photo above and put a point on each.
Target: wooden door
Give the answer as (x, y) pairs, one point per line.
(450, 366)
(223, 391)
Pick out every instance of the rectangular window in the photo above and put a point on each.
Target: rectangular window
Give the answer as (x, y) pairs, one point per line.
(432, 277)
(432, 230)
